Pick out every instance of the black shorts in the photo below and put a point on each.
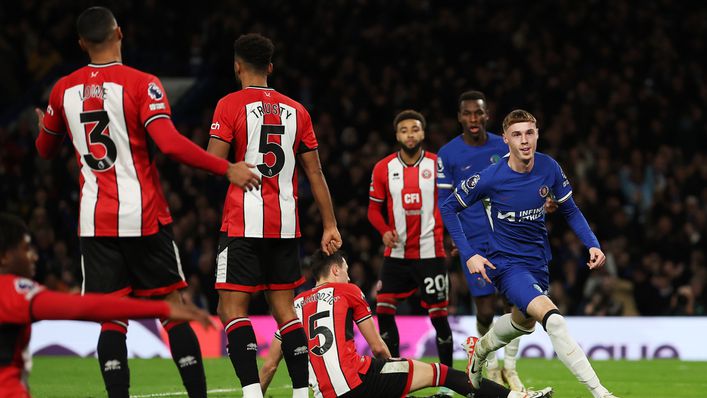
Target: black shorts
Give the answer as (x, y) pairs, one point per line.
(401, 278)
(386, 378)
(142, 265)
(253, 264)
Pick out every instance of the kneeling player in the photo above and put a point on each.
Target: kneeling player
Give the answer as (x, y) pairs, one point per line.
(328, 312)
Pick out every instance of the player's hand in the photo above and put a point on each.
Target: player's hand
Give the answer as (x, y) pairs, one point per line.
(331, 240)
(390, 238)
(241, 175)
(477, 265)
(596, 258)
(189, 312)
(40, 119)
(551, 205)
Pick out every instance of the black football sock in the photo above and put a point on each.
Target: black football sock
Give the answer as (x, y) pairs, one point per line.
(389, 332)
(444, 339)
(458, 381)
(187, 356)
(294, 349)
(242, 350)
(113, 358)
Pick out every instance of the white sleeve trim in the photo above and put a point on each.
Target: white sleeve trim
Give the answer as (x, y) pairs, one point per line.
(445, 186)
(375, 199)
(564, 198)
(153, 118)
(460, 200)
(363, 319)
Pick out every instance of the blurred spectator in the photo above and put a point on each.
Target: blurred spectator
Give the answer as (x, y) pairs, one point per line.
(619, 91)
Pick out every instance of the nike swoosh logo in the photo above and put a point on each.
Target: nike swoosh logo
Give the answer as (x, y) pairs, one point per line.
(472, 368)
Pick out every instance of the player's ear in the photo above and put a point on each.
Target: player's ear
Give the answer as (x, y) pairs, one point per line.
(505, 137)
(118, 33)
(82, 45)
(270, 68)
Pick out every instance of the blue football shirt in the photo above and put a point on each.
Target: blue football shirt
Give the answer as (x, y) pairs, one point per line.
(456, 162)
(517, 208)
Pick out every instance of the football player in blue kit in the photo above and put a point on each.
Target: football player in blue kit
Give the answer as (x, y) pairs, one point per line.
(518, 251)
(465, 155)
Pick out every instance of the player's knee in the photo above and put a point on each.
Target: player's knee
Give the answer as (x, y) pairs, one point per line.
(554, 322)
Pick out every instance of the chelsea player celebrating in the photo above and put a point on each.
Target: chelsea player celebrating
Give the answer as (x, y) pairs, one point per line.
(518, 250)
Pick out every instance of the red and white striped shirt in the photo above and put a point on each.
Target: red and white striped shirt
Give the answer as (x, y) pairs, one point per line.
(267, 129)
(105, 109)
(327, 313)
(410, 193)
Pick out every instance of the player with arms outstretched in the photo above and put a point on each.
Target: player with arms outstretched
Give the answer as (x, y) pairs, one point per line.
(328, 313)
(518, 252)
(109, 110)
(403, 208)
(259, 245)
(23, 301)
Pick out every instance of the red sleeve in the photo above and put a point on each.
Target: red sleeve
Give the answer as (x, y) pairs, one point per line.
(181, 149)
(48, 144)
(94, 307)
(50, 138)
(357, 302)
(152, 100)
(377, 194)
(222, 124)
(308, 141)
(16, 296)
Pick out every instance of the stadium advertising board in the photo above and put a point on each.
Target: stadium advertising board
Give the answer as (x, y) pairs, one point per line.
(602, 338)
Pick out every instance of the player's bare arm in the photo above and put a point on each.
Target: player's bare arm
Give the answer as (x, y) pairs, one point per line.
(272, 360)
(331, 238)
(373, 338)
(477, 265)
(239, 174)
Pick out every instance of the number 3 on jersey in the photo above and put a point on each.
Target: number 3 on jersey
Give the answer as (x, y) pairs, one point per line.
(271, 147)
(96, 137)
(323, 330)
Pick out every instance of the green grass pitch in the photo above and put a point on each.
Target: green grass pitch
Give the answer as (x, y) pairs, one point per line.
(73, 377)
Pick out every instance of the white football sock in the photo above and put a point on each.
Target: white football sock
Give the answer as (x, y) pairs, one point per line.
(569, 352)
(491, 359)
(300, 392)
(252, 391)
(511, 354)
(502, 332)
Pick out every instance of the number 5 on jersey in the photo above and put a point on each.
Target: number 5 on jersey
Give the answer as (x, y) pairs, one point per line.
(266, 147)
(314, 331)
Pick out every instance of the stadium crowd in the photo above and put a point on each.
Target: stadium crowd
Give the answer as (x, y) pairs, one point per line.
(619, 92)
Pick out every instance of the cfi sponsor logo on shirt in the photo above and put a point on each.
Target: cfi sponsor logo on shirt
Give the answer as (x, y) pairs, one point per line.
(154, 91)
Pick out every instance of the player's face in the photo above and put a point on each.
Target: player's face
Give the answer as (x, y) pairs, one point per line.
(410, 134)
(342, 274)
(21, 259)
(473, 116)
(522, 140)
